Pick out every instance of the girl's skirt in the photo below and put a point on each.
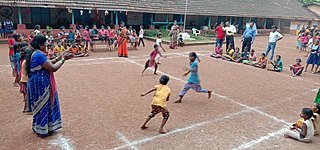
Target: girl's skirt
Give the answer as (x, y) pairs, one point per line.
(23, 87)
(313, 58)
(299, 43)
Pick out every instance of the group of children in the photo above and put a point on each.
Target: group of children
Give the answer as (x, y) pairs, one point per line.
(250, 58)
(308, 126)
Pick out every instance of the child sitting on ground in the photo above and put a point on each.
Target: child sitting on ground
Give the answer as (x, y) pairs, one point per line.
(277, 64)
(252, 58)
(59, 48)
(306, 133)
(74, 49)
(316, 118)
(229, 54)
(159, 102)
(296, 68)
(180, 41)
(263, 61)
(244, 56)
(83, 49)
(51, 52)
(217, 52)
(236, 55)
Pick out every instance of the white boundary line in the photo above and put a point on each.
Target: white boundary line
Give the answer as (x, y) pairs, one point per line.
(126, 141)
(260, 139)
(223, 97)
(180, 130)
(62, 142)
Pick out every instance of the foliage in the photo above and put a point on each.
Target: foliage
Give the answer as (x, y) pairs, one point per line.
(308, 1)
(164, 31)
(151, 33)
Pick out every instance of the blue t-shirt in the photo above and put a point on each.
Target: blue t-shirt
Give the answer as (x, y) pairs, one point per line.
(194, 77)
(71, 35)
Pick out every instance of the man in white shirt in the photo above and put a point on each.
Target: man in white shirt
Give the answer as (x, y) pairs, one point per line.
(274, 37)
(230, 31)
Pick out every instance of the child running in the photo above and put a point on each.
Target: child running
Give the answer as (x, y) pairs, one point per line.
(296, 68)
(306, 133)
(159, 102)
(159, 43)
(193, 81)
(277, 64)
(152, 62)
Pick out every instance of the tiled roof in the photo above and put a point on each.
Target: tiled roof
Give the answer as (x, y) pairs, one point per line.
(286, 9)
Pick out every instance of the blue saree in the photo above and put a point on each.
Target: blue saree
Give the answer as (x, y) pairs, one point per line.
(45, 108)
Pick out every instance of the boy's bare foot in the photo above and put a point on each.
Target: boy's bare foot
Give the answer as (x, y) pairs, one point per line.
(144, 127)
(209, 94)
(177, 101)
(285, 135)
(16, 84)
(162, 131)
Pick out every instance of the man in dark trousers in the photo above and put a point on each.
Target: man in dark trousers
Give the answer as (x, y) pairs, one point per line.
(248, 37)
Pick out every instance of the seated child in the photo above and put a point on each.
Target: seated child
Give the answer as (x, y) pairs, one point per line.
(218, 52)
(180, 41)
(159, 102)
(244, 56)
(296, 68)
(236, 55)
(263, 61)
(51, 52)
(59, 48)
(229, 53)
(74, 49)
(277, 64)
(83, 49)
(252, 58)
(316, 118)
(306, 133)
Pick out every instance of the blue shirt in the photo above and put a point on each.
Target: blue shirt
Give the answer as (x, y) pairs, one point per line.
(250, 33)
(71, 35)
(194, 77)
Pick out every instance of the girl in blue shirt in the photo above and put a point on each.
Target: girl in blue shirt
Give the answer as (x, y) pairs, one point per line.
(193, 81)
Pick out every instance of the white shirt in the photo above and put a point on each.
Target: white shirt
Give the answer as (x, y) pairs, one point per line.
(310, 42)
(310, 129)
(273, 36)
(37, 32)
(230, 30)
(141, 32)
(158, 42)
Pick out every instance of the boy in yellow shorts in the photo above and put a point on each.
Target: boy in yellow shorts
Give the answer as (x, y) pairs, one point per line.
(159, 102)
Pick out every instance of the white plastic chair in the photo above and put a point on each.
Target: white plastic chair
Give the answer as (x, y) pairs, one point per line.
(195, 31)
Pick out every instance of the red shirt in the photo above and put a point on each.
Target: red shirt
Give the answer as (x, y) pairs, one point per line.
(111, 34)
(11, 42)
(220, 31)
(297, 66)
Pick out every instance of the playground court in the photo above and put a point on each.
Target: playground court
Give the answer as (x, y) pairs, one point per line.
(102, 109)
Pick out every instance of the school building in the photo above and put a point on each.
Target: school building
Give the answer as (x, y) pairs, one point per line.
(289, 15)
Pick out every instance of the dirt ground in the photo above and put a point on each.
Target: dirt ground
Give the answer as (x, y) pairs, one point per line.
(102, 109)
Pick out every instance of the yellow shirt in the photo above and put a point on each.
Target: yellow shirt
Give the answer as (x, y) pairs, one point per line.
(230, 52)
(58, 49)
(161, 95)
(24, 74)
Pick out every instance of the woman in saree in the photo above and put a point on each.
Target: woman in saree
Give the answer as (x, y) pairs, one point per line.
(42, 92)
(122, 41)
(174, 38)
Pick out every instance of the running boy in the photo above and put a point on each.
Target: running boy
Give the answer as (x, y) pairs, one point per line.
(159, 102)
(193, 81)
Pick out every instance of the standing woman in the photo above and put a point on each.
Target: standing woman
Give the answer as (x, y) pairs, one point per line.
(122, 41)
(42, 93)
(174, 38)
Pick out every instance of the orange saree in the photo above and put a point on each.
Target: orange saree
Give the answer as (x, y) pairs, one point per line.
(122, 40)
